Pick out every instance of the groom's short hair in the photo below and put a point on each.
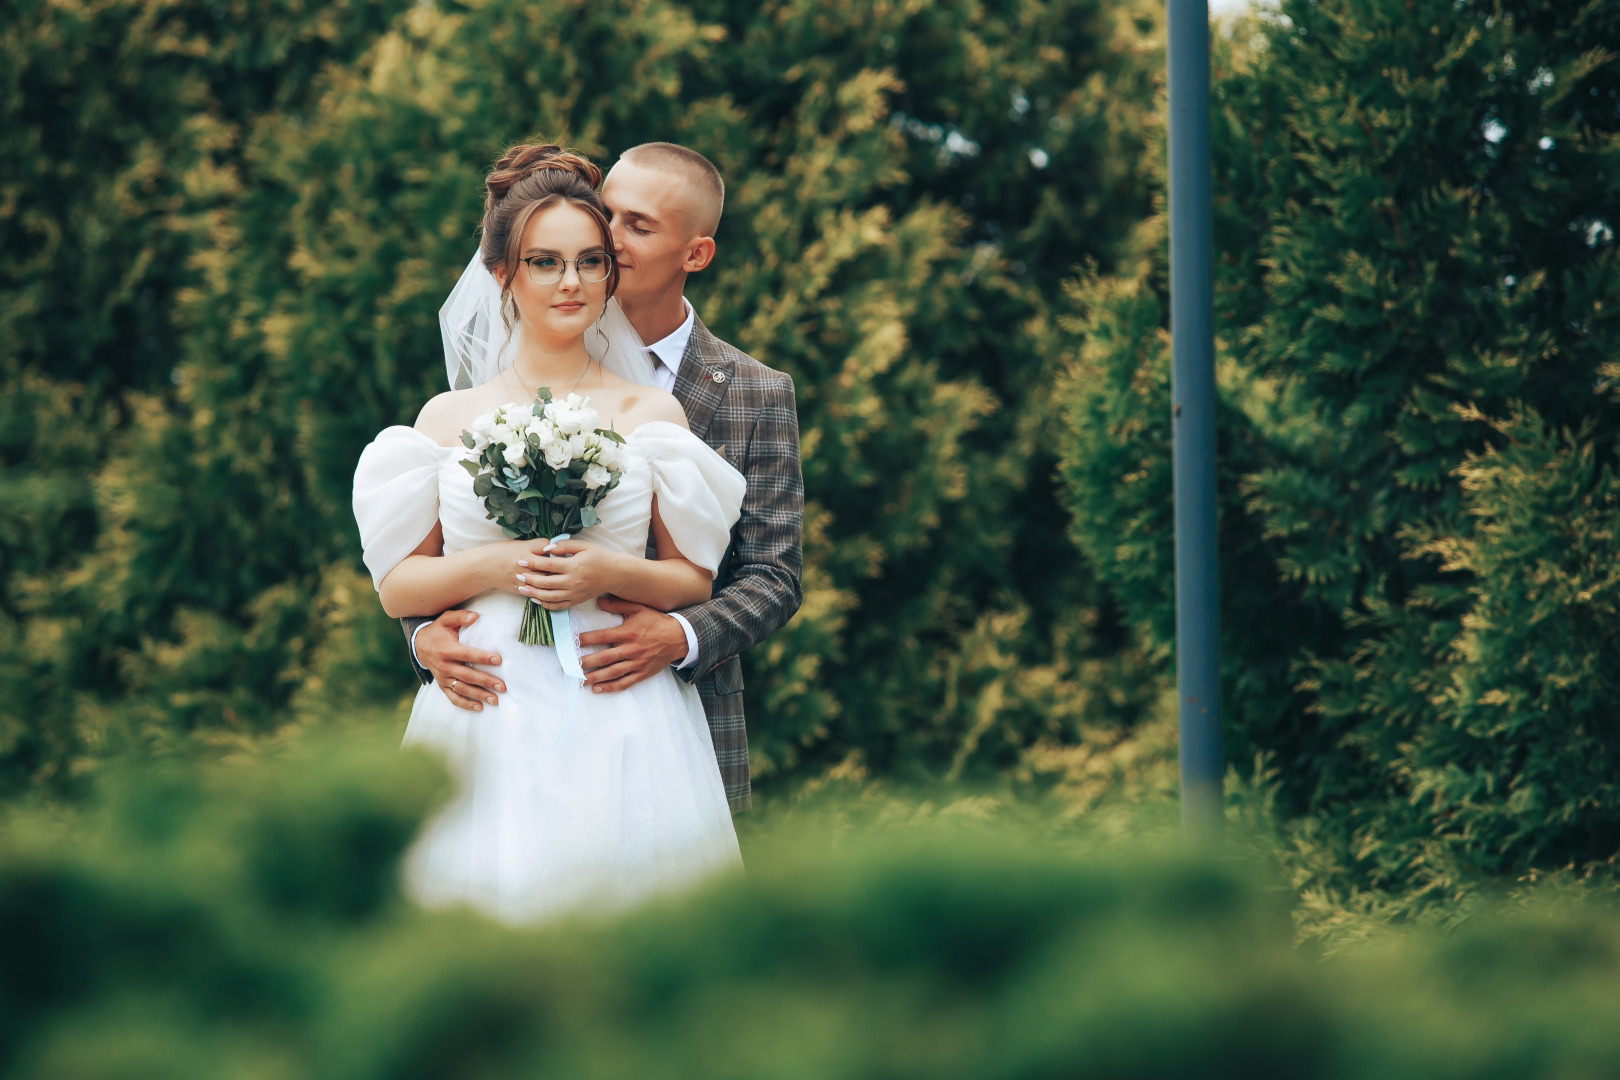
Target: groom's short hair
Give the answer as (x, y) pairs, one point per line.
(709, 191)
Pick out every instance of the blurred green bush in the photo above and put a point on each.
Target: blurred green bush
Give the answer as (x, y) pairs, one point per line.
(1420, 518)
(243, 921)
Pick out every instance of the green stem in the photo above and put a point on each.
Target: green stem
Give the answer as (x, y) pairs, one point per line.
(535, 629)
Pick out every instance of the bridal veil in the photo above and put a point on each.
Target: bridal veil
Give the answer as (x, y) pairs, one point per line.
(478, 346)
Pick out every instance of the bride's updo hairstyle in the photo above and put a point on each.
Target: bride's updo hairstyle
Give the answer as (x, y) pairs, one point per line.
(527, 179)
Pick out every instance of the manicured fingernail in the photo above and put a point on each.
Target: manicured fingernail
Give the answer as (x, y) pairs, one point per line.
(491, 700)
(523, 562)
(499, 689)
(524, 590)
(494, 659)
(598, 689)
(477, 707)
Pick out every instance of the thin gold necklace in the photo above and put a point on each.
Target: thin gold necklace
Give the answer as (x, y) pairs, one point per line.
(536, 389)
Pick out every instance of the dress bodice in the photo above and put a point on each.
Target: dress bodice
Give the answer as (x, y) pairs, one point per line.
(405, 482)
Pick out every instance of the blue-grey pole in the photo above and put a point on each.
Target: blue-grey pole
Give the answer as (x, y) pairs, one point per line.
(1192, 391)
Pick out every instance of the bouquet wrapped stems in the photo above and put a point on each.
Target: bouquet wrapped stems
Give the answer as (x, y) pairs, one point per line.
(536, 627)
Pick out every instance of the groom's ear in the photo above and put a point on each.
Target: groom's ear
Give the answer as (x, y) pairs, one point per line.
(699, 254)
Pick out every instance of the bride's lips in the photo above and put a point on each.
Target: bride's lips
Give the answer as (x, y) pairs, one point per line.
(569, 306)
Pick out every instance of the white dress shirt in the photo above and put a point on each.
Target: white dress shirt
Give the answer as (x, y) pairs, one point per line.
(668, 353)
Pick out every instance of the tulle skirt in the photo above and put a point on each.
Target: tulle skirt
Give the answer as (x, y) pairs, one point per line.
(566, 800)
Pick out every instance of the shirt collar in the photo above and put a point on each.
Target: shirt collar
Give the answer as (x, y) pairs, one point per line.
(670, 350)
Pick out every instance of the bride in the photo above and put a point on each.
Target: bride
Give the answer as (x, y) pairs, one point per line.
(565, 799)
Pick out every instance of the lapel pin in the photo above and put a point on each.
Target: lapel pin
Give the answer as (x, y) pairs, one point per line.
(718, 376)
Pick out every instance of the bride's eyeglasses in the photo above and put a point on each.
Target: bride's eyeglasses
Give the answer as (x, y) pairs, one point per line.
(549, 269)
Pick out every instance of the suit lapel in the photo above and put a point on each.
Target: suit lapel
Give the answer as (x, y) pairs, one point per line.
(704, 378)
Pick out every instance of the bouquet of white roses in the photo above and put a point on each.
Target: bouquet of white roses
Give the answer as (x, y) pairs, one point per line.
(541, 470)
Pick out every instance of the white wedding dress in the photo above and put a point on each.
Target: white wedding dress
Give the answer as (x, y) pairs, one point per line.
(566, 800)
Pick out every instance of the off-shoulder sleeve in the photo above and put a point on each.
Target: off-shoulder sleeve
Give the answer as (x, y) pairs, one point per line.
(396, 496)
(699, 492)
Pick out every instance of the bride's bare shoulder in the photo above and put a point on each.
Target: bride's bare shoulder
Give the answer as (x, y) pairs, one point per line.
(636, 404)
(444, 417)
(648, 403)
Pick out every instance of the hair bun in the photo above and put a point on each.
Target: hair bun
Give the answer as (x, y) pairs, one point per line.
(526, 159)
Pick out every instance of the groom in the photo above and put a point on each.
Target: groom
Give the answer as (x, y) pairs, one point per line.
(666, 202)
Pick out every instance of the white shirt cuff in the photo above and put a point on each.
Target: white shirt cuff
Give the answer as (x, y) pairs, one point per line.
(418, 630)
(691, 641)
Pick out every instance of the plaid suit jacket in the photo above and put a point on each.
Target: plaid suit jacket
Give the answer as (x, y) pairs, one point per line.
(747, 412)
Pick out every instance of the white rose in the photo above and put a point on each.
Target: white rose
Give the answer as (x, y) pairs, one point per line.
(558, 455)
(573, 415)
(557, 412)
(515, 454)
(596, 476)
(542, 431)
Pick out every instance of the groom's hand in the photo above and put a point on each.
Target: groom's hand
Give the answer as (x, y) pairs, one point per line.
(644, 644)
(439, 649)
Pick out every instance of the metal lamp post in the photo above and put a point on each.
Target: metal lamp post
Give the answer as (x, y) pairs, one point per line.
(1192, 329)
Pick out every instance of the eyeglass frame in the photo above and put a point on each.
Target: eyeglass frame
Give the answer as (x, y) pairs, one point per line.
(601, 253)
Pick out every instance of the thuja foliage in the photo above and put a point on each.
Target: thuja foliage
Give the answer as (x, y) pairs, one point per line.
(907, 185)
(245, 921)
(1416, 285)
(122, 127)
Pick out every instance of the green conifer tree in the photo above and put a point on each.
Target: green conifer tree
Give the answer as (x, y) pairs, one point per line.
(1417, 265)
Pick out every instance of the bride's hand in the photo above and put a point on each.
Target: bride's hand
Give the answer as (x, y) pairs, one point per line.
(560, 582)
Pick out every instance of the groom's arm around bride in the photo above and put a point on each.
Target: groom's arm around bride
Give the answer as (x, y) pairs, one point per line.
(666, 202)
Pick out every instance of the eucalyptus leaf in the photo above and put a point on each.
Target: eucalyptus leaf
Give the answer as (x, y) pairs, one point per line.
(483, 483)
(467, 440)
(587, 517)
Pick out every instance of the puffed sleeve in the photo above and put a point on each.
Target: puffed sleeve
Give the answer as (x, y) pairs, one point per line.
(396, 496)
(699, 492)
